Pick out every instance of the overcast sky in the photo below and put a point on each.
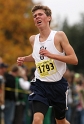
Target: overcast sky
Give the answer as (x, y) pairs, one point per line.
(65, 8)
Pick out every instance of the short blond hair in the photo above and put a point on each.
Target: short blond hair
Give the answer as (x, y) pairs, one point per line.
(46, 9)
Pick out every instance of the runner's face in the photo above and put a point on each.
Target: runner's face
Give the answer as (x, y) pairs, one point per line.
(40, 18)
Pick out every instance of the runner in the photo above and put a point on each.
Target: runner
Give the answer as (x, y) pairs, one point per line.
(51, 52)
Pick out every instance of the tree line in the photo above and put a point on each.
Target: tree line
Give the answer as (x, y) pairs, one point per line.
(75, 34)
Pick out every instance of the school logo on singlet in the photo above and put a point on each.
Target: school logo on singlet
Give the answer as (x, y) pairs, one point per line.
(46, 67)
(41, 56)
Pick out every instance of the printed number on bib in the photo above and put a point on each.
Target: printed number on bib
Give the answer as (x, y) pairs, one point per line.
(46, 67)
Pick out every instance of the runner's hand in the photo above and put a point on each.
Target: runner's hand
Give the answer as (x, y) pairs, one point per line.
(20, 60)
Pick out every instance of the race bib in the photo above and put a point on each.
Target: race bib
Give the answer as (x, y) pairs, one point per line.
(46, 67)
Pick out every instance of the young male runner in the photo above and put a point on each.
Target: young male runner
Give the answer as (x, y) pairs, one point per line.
(51, 52)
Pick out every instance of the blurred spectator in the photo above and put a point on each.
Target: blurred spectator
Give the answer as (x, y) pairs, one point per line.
(82, 101)
(25, 85)
(10, 78)
(3, 67)
(22, 84)
(69, 76)
(80, 106)
(23, 79)
(2, 89)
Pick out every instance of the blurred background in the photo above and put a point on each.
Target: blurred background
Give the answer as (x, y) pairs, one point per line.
(16, 26)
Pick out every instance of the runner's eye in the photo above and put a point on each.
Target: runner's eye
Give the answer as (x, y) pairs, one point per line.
(40, 14)
(34, 16)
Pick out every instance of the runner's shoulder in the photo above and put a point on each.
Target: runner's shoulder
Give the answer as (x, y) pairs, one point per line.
(31, 39)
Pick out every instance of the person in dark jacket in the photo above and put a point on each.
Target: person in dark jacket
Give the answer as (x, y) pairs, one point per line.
(10, 78)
